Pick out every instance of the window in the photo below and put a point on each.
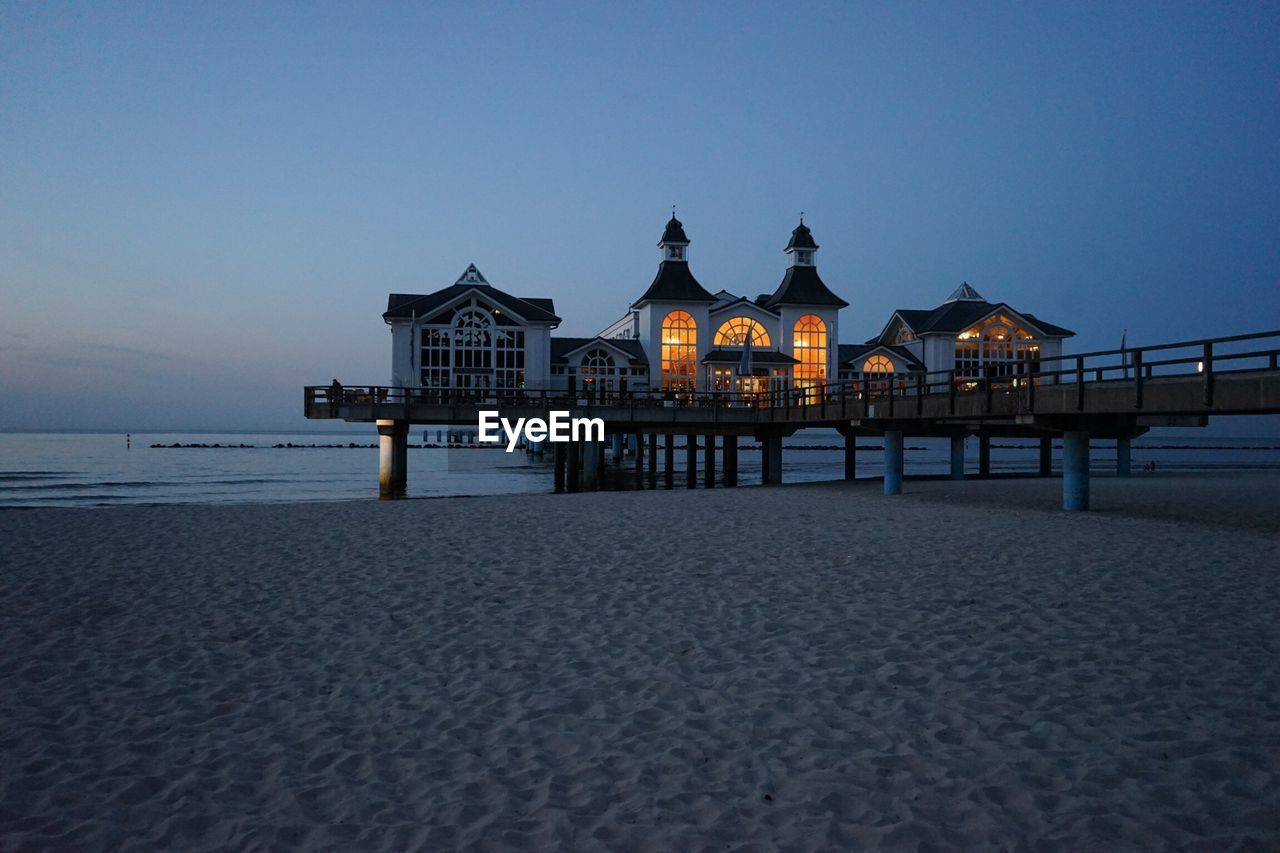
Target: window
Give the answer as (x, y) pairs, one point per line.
(733, 333)
(904, 336)
(877, 364)
(472, 347)
(810, 349)
(598, 370)
(675, 253)
(679, 352)
(995, 347)
(804, 257)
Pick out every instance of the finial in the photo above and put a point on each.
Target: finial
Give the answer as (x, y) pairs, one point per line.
(673, 211)
(802, 217)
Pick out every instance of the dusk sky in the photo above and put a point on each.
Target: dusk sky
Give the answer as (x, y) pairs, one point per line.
(203, 207)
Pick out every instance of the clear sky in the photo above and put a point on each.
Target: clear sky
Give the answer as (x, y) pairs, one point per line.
(204, 206)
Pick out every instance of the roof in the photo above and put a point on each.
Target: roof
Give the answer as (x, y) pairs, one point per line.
(801, 238)
(409, 305)
(761, 356)
(674, 232)
(561, 347)
(674, 283)
(965, 293)
(803, 286)
(951, 318)
(849, 354)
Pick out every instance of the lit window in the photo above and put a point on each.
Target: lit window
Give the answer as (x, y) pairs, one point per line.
(810, 349)
(995, 347)
(679, 352)
(733, 333)
(877, 364)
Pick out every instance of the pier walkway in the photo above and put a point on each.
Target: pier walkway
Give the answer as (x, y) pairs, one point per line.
(1112, 394)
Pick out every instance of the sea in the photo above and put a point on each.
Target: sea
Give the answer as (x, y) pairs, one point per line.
(84, 469)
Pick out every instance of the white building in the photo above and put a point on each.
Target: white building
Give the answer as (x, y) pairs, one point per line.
(679, 338)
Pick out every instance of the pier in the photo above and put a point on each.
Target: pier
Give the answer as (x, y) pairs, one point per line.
(1110, 394)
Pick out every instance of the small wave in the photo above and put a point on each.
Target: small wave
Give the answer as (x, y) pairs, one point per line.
(106, 484)
(34, 475)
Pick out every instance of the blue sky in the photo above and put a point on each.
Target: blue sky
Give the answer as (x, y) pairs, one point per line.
(203, 207)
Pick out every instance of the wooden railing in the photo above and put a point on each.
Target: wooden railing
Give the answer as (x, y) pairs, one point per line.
(901, 393)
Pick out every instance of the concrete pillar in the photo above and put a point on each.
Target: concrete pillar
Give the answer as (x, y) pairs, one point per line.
(709, 462)
(653, 458)
(1075, 471)
(669, 460)
(615, 442)
(574, 466)
(1124, 456)
(691, 460)
(773, 447)
(393, 458)
(984, 455)
(764, 462)
(559, 458)
(1046, 455)
(637, 442)
(729, 451)
(591, 466)
(851, 456)
(893, 462)
(957, 457)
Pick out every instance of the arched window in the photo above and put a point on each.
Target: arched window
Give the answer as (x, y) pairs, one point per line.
(598, 370)
(905, 336)
(996, 347)
(473, 348)
(679, 352)
(810, 349)
(733, 333)
(877, 364)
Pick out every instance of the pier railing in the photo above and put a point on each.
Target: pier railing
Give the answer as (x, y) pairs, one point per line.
(1102, 381)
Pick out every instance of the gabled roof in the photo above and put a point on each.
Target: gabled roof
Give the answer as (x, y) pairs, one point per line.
(801, 238)
(740, 303)
(803, 286)
(674, 283)
(674, 232)
(761, 356)
(951, 318)
(561, 348)
(852, 354)
(409, 305)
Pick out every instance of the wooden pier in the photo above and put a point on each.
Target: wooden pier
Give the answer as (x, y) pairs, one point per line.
(1111, 394)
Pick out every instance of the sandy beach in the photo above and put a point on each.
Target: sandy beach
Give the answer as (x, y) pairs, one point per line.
(810, 667)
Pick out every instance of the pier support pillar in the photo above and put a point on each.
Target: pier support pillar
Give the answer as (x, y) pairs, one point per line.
(851, 456)
(1075, 471)
(591, 452)
(573, 452)
(709, 462)
(393, 458)
(984, 455)
(691, 460)
(893, 462)
(1124, 456)
(771, 450)
(669, 460)
(616, 446)
(1046, 455)
(957, 457)
(638, 442)
(653, 459)
(730, 453)
(559, 459)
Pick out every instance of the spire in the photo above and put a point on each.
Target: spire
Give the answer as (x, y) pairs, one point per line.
(471, 276)
(801, 246)
(965, 293)
(674, 241)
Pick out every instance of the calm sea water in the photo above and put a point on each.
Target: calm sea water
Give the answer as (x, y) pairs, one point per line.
(88, 469)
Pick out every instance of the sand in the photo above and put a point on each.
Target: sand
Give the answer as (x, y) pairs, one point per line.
(803, 668)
